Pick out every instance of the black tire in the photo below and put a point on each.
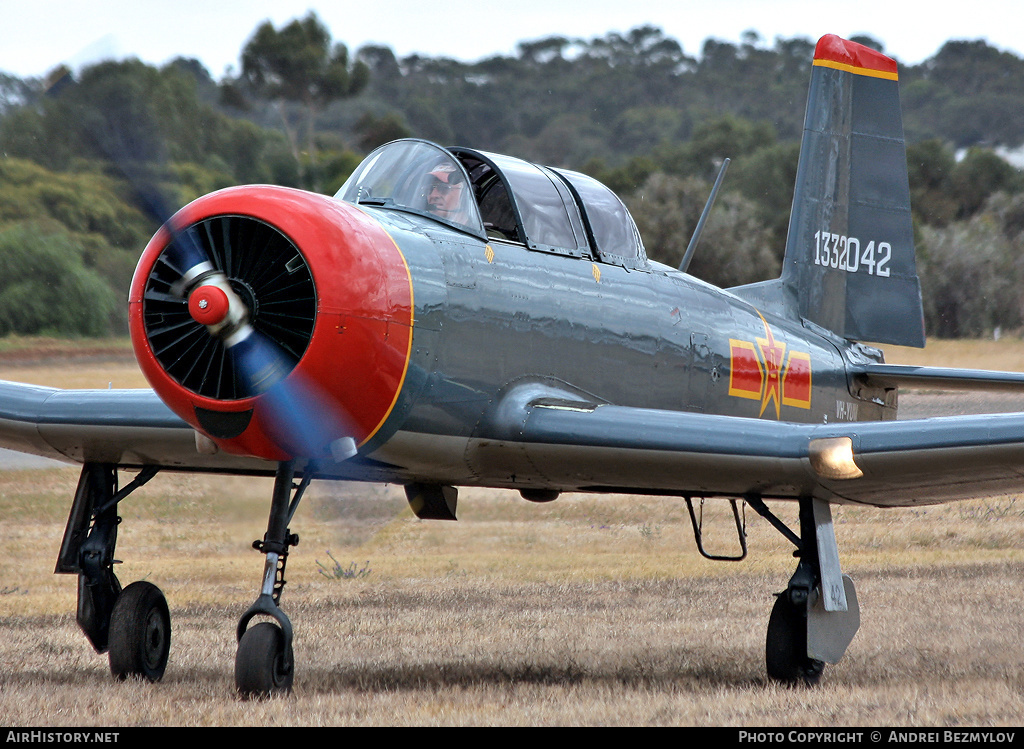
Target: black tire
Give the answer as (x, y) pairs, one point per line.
(262, 666)
(786, 646)
(140, 633)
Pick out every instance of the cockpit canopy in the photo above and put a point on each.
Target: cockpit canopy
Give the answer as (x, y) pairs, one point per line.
(501, 198)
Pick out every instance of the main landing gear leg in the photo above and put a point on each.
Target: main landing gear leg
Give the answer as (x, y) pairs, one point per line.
(815, 618)
(132, 625)
(264, 663)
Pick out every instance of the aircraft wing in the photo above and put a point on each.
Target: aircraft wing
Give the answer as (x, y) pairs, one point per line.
(887, 463)
(602, 447)
(131, 428)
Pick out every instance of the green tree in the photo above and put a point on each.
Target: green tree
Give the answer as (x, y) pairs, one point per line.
(979, 174)
(713, 141)
(134, 116)
(89, 211)
(14, 92)
(46, 288)
(299, 64)
(969, 93)
(735, 248)
(623, 180)
(766, 177)
(639, 130)
(929, 168)
(971, 273)
(84, 203)
(1008, 212)
(376, 131)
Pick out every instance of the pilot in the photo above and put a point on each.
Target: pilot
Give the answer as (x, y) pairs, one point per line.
(447, 197)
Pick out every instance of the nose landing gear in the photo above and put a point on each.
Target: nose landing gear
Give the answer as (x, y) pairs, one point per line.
(264, 661)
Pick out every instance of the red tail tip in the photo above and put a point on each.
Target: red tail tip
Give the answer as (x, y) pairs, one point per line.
(838, 50)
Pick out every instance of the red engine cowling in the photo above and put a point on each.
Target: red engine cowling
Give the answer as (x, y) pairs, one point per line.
(322, 283)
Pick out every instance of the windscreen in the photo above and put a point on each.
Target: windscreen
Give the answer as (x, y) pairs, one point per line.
(418, 177)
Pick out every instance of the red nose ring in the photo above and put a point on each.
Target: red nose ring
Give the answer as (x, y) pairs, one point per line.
(208, 305)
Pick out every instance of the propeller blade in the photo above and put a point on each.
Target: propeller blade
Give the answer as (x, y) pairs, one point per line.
(306, 421)
(187, 255)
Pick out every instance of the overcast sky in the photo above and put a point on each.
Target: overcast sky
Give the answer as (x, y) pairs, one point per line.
(34, 37)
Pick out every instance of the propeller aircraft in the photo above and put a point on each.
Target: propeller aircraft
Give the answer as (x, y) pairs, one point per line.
(455, 318)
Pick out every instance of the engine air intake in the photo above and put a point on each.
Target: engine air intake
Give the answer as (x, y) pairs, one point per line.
(267, 272)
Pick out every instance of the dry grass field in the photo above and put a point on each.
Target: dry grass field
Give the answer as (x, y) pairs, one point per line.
(585, 611)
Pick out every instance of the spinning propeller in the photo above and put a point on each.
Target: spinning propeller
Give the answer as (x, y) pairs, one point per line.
(230, 307)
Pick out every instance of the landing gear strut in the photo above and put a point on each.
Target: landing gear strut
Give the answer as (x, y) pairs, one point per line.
(264, 663)
(133, 626)
(815, 618)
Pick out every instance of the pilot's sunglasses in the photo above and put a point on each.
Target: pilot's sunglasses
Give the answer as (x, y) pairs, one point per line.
(444, 189)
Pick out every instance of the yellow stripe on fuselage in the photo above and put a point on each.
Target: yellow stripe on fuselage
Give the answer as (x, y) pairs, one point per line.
(412, 318)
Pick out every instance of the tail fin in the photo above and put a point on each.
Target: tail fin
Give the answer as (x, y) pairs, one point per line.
(849, 264)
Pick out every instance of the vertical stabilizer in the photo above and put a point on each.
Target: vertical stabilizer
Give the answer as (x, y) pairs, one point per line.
(850, 251)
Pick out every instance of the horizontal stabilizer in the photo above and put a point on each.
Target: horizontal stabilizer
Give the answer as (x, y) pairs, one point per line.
(939, 378)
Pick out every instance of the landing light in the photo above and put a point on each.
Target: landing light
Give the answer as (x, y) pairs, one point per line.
(832, 458)
(343, 448)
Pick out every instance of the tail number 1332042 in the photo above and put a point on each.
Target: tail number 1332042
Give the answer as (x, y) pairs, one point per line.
(845, 253)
